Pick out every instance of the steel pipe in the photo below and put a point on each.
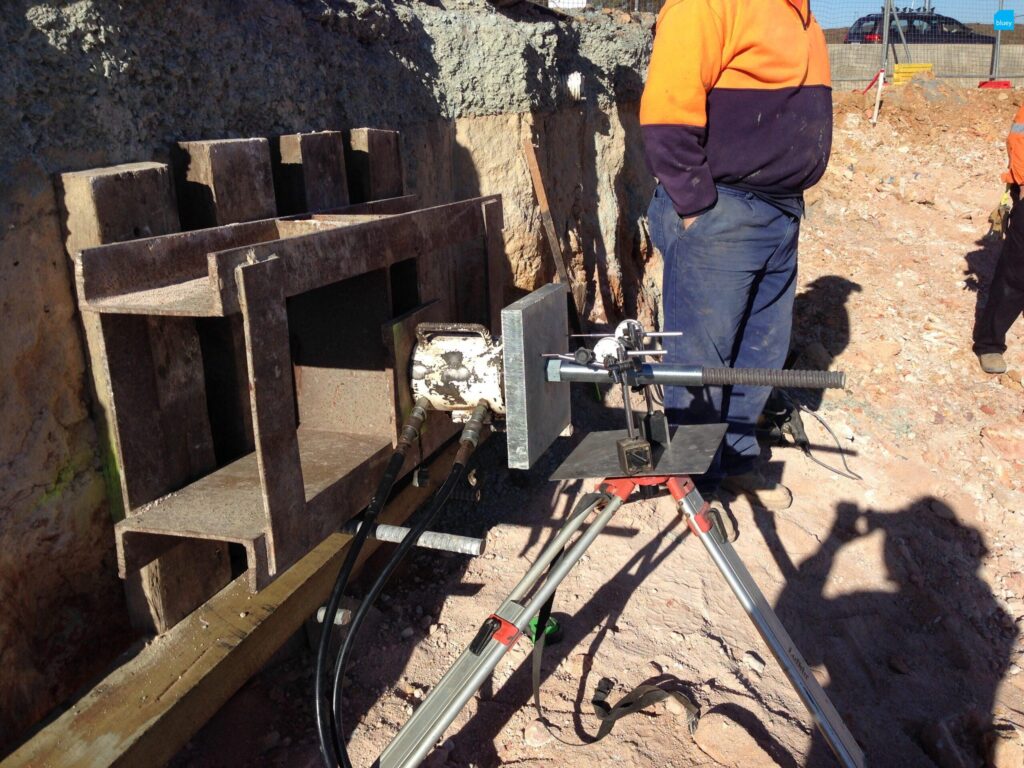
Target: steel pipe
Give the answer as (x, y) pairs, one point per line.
(446, 542)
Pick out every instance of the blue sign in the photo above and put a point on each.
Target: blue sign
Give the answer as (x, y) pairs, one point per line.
(1004, 20)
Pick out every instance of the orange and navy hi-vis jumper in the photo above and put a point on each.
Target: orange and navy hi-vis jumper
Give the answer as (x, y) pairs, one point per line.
(738, 93)
(1015, 150)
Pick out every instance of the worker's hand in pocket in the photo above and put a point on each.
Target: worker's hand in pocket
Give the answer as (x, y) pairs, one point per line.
(688, 221)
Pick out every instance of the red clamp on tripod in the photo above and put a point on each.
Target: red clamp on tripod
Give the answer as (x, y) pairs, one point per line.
(679, 486)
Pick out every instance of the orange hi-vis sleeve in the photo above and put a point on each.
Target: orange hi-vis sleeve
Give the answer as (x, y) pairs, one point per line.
(739, 93)
(1015, 150)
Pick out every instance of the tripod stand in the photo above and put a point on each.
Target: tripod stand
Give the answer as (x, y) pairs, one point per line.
(649, 452)
(505, 626)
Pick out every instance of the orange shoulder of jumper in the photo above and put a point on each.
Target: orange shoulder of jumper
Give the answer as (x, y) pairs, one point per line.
(1015, 150)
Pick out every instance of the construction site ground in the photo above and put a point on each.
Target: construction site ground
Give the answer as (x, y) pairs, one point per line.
(905, 591)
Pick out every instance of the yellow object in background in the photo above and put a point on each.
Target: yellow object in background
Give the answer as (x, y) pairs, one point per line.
(904, 73)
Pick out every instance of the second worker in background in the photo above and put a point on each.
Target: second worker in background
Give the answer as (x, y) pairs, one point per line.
(1006, 291)
(737, 122)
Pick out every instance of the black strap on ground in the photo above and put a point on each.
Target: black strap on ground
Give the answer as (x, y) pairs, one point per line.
(583, 507)
(538, 644)
(639, 698)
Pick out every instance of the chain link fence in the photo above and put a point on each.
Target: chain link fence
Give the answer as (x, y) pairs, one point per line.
(957, 38)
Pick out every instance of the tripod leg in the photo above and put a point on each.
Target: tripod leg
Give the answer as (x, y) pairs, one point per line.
(826, 718)
(496, 636)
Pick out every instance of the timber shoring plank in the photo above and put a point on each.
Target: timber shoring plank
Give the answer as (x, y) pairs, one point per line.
(272, 393)
(147, 709)
(148, 383)
(577, 309)
(373, 158)
(110, 276)
(223, 181)
(313, 260)
(499, 269)
(156, 262)
(309, 171)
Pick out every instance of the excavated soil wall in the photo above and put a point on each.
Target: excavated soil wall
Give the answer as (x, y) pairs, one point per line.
(95, 83)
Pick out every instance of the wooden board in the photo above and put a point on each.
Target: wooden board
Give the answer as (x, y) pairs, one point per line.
(577, 310)
(374, 161)
(321, 258)
(223, 181)
(309, 172)
(147, 709)
(272, 394)
(149, 383)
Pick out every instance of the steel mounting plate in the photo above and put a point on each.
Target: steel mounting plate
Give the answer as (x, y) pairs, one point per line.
(690, 453)
(537, 411)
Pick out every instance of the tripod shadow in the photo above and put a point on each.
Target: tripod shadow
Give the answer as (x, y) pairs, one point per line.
(603, 610)
(914, 668)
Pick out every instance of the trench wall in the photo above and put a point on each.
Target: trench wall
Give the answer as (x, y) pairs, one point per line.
(94, 83)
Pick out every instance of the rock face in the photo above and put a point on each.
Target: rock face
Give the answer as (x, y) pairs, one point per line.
(99, 83)
(61, 606)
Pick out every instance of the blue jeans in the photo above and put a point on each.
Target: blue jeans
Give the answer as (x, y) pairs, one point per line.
(728, 286)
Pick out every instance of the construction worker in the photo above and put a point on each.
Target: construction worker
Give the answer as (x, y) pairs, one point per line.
(737, 122)
(1006, 291)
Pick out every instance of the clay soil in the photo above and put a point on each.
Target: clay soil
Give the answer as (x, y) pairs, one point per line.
(904, 590)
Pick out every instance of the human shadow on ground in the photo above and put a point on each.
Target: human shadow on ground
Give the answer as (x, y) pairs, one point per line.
(914, 668)
(981, 265)
(820, 315)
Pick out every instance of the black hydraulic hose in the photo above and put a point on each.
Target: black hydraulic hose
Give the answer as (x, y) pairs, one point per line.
(410, 434)
(467, 444)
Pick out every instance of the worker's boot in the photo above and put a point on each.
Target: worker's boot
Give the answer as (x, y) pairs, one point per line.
(760, 491)
(992, 362)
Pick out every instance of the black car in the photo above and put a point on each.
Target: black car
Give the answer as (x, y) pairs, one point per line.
(917, 28)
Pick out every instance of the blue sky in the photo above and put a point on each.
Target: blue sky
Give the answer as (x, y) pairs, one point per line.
(841, 13)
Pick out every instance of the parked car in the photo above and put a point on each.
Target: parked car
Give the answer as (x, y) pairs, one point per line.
(917, 28)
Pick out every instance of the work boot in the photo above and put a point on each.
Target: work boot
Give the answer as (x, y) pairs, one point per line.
(992, 362)
(723, 521)
(760, 491)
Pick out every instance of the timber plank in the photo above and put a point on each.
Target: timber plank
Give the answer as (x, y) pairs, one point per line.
(272, 394)
(374, 160)
(156, 262)
(309, 172)
(149, 384)
(320, 258)
(224, 181)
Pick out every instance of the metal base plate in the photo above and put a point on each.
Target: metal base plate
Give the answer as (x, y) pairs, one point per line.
(538, 409)
(690, 453)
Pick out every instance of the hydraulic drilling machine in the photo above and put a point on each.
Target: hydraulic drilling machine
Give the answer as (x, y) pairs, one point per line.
(522, 378)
